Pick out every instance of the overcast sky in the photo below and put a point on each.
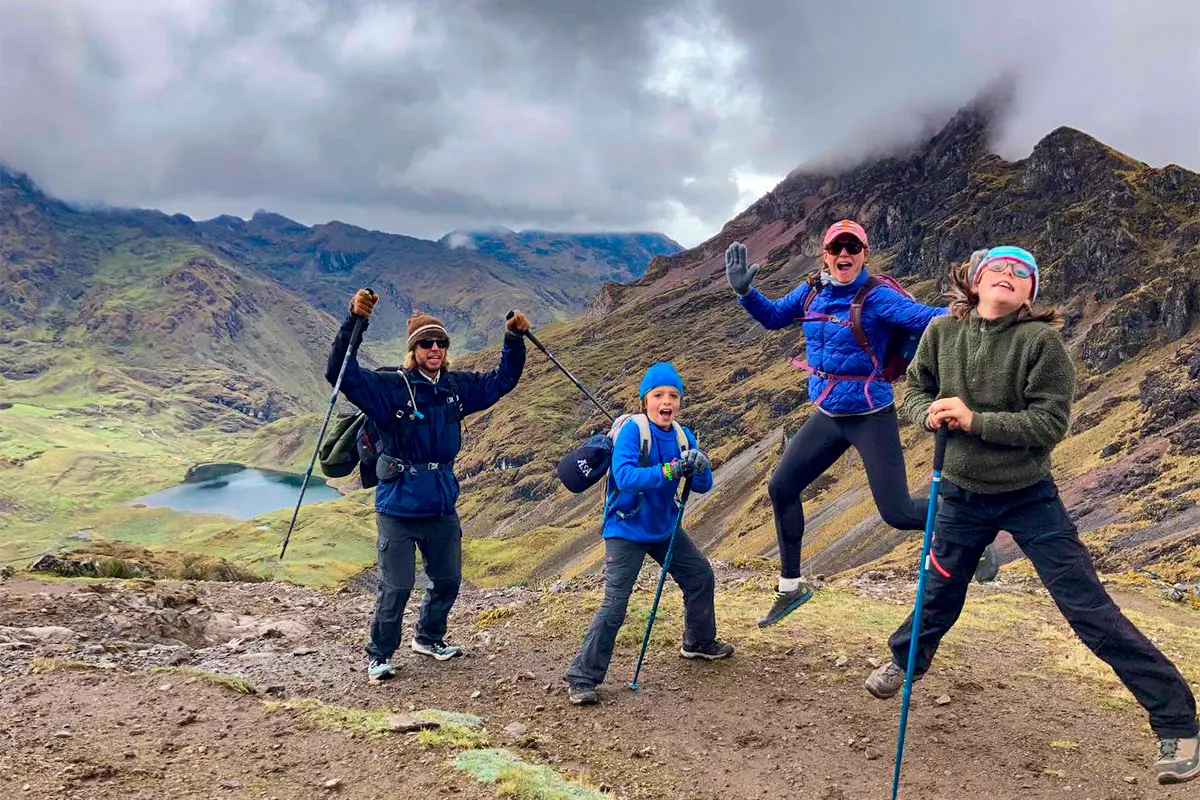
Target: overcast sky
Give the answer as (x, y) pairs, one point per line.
(421, 116)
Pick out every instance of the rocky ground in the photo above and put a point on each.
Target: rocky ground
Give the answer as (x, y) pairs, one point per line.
(230, 690)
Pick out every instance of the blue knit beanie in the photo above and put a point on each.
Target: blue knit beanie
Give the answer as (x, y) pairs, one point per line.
(1009, 252)
(661, 374)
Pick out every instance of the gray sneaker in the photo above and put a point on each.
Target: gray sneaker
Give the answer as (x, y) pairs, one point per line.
(439, 650)
(885, 681)
(1178, 760)
(787, 602)
(379, 669)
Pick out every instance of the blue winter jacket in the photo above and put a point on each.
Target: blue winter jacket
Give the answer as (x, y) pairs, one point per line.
(656, 508)
(830, 345)
(435, 440)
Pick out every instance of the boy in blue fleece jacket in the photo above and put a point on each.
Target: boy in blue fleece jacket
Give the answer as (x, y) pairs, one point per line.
(639, 515)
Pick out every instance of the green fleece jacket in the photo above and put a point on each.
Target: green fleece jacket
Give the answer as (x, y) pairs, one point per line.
(1017, 379)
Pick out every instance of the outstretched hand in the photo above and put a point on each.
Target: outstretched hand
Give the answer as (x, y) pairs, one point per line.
(363, 302)
(518, 323)
(950, 411)
(740, 276)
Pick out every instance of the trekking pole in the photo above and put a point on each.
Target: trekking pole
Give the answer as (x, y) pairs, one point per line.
(550, 356)
(337, 387)
(939, 455)
(662, 577)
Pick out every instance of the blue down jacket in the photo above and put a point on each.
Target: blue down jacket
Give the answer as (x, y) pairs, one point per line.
(843, 382)
(429, 444)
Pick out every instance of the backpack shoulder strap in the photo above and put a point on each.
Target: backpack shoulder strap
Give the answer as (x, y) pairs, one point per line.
(643, 425)
(856, 307)
(680, 438)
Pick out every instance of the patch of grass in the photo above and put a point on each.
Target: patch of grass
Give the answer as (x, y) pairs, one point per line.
(516, 778)
(230, 682)
(42, 665)
(494, 615)
(454, 736)
(492, 562)
(1064, 745)
(373, 724)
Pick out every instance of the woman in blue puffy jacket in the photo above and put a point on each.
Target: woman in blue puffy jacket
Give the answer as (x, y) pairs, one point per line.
(847, 386)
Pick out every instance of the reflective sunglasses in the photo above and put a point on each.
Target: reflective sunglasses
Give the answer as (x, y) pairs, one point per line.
(427, 344)
(1019, 268)
(851, 246)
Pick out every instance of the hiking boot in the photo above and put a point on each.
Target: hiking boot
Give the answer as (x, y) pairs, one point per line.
(582, 694)
(1178, 760)
(710, 651)
(885, 681)
(786, 603)
(439, 650)
(379, 669)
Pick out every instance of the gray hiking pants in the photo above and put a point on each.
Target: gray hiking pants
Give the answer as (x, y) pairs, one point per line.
(440, 542)
(622, 562)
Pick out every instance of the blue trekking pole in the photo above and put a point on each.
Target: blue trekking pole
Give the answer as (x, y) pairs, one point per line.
(939, 455)
(662, 577)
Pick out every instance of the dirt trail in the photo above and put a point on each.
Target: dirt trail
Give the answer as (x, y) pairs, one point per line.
(787, 717)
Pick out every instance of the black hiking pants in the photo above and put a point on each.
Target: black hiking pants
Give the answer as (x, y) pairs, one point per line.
(967, 522)
(440, 542)
(622, 562)
(820, 441)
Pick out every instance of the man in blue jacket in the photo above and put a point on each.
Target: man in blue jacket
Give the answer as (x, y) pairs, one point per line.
(418, 412)
(853, 399)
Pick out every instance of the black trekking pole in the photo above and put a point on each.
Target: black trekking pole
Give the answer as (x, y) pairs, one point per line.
(939, 455)
(662, 577)
(550, 356)
(337, 387)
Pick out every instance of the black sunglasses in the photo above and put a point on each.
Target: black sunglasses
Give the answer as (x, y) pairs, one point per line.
(851, 246)
(427, 344)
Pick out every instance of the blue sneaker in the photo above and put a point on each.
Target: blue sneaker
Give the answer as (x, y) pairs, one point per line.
(439, 650)
(380, 669)
(786, 603)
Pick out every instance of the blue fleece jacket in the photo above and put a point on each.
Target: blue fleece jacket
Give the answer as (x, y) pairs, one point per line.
(657, 510)
(830, 344)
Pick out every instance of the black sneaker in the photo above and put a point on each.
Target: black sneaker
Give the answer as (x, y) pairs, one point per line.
(786, 603)
(710, 651)
(583, 694)
(439, 650)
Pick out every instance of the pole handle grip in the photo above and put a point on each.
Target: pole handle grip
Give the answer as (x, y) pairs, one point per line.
(939, 447)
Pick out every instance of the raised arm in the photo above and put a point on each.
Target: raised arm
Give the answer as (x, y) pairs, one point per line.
(775, 314)
(362, 387)
(480, 390)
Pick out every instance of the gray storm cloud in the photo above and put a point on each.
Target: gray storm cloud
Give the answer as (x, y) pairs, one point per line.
(422, 117)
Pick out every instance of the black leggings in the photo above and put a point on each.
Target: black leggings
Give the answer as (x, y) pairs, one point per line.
(820, 441)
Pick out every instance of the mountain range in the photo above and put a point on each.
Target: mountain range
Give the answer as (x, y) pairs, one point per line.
(197, 331)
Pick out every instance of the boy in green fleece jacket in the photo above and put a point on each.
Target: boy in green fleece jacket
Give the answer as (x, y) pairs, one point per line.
(997, 374)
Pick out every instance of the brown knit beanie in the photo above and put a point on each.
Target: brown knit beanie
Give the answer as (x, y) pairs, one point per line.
(423, 326)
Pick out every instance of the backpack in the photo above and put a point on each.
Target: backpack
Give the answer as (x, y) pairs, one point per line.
(356, 440)
(583, 467)
(901, 344)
